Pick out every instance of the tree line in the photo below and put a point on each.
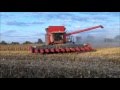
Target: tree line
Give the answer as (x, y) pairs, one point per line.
(26, 42)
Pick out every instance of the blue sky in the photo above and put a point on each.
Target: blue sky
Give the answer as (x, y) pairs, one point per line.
(22, 26)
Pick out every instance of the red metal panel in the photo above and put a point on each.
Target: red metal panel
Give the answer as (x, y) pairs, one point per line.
(57, 50)
(36, 51)
(41, 51)
(67, 49)
(52, 50)
(47, 50)
(77, 49)
(82, 49)
(62, 49)
(54, 29)
(72, 49)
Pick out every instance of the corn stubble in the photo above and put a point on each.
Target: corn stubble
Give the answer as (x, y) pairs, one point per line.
(21, 63)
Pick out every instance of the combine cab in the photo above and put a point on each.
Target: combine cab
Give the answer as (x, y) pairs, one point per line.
(57, 41)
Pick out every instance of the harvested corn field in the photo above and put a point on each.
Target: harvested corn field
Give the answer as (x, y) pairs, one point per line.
(103, 63)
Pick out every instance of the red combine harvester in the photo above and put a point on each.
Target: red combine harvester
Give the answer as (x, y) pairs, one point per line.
(58, 41)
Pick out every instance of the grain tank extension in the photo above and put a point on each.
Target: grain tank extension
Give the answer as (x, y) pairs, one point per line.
(58, 41)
